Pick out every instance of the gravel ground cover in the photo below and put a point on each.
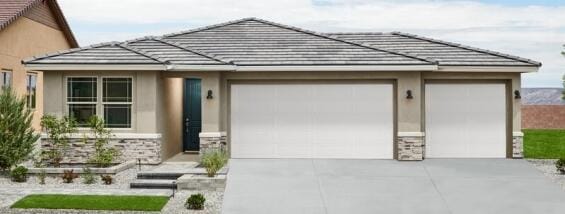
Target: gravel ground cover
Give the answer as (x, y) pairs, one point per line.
(547, 166)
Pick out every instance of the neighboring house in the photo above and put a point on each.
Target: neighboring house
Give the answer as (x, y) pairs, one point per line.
(28, 28)
(274, 91)
(543, 108)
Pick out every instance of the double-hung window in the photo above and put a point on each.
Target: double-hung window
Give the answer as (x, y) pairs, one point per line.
(31, 90)
(5, 78)
(117, 101)
(84, 99)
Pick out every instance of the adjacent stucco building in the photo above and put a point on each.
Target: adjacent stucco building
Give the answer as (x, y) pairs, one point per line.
(28, 28)
(268, 90)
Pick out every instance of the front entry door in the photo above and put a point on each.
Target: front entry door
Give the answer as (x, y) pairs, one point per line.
(192, 114)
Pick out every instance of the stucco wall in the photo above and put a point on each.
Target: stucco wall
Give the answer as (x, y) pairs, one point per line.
(543, 116)
(22, 39)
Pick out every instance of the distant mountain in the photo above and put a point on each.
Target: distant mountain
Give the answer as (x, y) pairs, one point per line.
(542, 96)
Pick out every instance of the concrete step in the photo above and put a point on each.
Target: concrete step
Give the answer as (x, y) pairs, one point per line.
(174, 174)
(153, 184)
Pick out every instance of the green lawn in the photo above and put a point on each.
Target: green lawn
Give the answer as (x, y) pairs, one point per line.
(544, 144)
(93, 202)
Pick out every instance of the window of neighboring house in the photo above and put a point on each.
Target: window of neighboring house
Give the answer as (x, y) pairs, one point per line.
(82, 98)
(31, 90)
(5, 78)
(117, 101)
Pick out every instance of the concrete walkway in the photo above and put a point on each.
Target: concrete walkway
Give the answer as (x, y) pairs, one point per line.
(432, 186)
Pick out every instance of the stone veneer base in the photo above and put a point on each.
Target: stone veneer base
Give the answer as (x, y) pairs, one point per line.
(410, 146)
(109, 170)
(518, 145)
(201, 182)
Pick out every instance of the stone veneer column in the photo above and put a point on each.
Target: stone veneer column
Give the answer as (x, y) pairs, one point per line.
(517, 145)
(410, 146)
(212, 141)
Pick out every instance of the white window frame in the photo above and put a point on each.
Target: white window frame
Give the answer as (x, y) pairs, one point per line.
(99, 98)
(11, 80)
(28, 90)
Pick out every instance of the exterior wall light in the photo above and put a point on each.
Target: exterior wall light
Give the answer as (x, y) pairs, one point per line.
(209, 97)
(517, 95)
(409, 95)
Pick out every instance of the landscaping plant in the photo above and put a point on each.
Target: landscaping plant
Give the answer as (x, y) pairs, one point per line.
(19, 174)
(213, 161)
(88, 176)
(58, 131)
(103, 155)
(17, 137)
(42, 175)
(560, 165)
(69, 176)
(195, 202)
(107, 179)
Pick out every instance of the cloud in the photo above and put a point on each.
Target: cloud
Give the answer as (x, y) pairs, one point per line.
(533, 31)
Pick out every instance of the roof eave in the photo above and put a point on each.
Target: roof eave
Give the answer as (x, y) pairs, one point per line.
(293, 68)
(467, 68)
(95, 67)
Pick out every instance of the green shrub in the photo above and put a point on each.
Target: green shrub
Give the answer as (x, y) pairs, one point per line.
(107, 179)
(104, 155)
(17, 137)
(19, 174)
(58, 131)
(88, 176)
(560, 165)
(42, 175)
(195, 202)
(69, 176)
(213, 161)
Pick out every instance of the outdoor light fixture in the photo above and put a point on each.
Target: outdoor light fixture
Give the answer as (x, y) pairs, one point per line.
(517, 94)
(409, 94)
(209, 95)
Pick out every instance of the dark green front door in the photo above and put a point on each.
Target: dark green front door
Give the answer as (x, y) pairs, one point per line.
(192, 114)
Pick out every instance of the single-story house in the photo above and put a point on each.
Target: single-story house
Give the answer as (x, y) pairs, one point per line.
(268, 90)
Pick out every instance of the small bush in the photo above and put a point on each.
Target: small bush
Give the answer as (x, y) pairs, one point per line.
(560, 165)
(107, 179)
(69, 176)
(42, 175)
(195, 202)
(213, 161)
(88, 176)
(19, 174)
(104, 154)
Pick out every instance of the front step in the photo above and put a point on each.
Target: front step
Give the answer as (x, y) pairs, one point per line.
(159, 175)
(153, 184)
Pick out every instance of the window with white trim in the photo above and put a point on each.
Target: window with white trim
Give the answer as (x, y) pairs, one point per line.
(115, 100)
(31, 90)
(82, 98)
(5, 78)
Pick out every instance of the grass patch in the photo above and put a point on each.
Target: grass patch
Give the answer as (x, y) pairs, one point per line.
(544, 143)
(93, 202)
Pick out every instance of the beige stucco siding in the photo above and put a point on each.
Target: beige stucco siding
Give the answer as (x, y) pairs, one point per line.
(22, 39)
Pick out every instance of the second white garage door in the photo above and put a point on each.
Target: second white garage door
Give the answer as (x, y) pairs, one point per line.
(312, 121)
(465, 120)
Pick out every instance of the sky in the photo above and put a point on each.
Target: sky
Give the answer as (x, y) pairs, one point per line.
(530, 29)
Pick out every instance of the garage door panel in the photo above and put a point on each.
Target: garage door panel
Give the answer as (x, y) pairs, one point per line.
(314, 121)
(465, 120)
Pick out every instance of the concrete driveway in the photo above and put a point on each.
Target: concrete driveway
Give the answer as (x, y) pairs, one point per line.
(432, 186)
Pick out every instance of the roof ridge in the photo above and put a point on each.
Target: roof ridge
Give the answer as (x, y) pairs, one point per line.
(350, 33)
(341, 40)
(67, 51)
(208, 27)
(495, 53)
(125, 45)
(30, 5)
(178, 45)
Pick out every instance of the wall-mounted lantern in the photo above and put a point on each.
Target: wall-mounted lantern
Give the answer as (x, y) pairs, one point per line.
(517, 95)
(210, 96)
(409, 95)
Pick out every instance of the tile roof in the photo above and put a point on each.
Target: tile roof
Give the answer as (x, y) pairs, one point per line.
(446, 53)
(10, 10)
(256, 42)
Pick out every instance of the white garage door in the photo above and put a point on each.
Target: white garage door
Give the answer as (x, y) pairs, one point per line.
(465, 121)
(312, 121)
